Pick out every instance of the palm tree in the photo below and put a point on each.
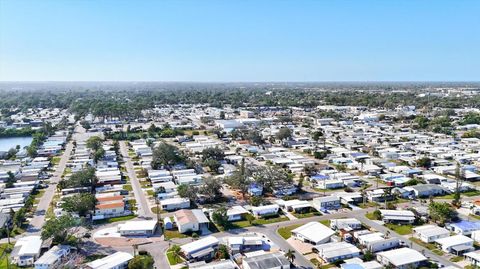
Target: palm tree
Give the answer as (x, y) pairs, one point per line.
(290, 255)
(176, 250)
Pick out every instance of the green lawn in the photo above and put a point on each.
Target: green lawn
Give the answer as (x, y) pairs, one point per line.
(174, 234)
(5, 250)
(467, 193)
(127, 187)
(367, 205)
(400, 229)
(325, 222)
(116, 219)
(56, 160)
(172, 260)
(269, 220)
(151, 193)
(428, 246)
(370, 216)
(286, 232)
(306, 215)
(456, 259)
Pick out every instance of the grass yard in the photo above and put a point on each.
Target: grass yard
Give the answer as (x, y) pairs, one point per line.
(286, 232)
(306, 215)
(370, 216)
(154, 210)
(428, 246)
(174, 234)
(367, 205)
(456, 259)
(56, 160)
(127, 187)
(467, 193)
(116, 219)
(5, 250)
(400, 229)
(151, 193)
(269, 220)
(325, 222)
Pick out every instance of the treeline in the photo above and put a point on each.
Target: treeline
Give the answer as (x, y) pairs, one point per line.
(14, 132)
(128, 103)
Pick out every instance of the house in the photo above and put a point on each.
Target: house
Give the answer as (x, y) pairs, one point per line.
(242, 244)
(426, 190)
(236, 213)
(326, 203)
(398, 216)
(191, 220)
(335, 251)
(200, 250)
(266, 210)
(313, 232)
(275, 260)
(118, 260)
(376, 242)
(347, 224)
(223, 264)
(401, 258)
(176, 203)
(357, 263)
(430, 233)
(137, 227)
(464, 227)
(295, 205)
(53, 257)
(457, 244)
(26, 250)
(473, 257)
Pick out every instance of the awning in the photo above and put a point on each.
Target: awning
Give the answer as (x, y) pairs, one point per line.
(462, 248)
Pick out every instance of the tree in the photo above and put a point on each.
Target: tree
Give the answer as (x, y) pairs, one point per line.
(58, 228)
(271, 176)
(98, 155)
(211, 188)
(256, 200)
(187, 191)
(284, 133)
(377, 214)
(85, 124)
(94, 143)
(220, 217)
(176, 250)
(301, 178)
(441, 212)
(144, 261)
(212, 164)
(458, 177)
(166, 155)
(10, 180)
(290, 255)
(424, 162)
(222, 252)
(213, 153)
(83, 178)
(240, 178)
(81, 203)
(250, 218)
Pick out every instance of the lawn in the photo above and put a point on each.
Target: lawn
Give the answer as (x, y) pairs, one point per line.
(116, 219)
(325, 222)
(286, 232)
(367, 205)
(4, 257)
(127, 187)
(269, 220)
(428, 246)
(172, 260)
(174, 234)
(306, 215)
(151, 193)
(456, 259)
(154, 210)
(400, 229)
(370, 216)
(56, 160)
(467, 193)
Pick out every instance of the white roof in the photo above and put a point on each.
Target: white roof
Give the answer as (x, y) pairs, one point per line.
(402, 256)
(335, 249)
(110, 261)
(430, 230)
(454, 240)
(314, 231)
(200, 244)
(474, 255)
(137, 225)
(29, 245)
(53, 255)
(236, 210)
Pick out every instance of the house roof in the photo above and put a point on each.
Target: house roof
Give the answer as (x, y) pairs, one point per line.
(185, 216)
(28, 245)
(200, 244)
(110, 205)
(110, 261)
(430, 230)
(454, 240)
(402, 256)
(336, 249)
(314, 231)
(137, 225)
(267, 261)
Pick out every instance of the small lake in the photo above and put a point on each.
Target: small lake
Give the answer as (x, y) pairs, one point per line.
(7, 143)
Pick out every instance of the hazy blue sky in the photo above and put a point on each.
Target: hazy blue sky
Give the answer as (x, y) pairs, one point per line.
(240, 40)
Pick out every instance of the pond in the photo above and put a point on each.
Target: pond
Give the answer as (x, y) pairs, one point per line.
(7, 143)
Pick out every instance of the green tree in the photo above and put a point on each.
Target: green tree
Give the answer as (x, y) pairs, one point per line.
(81, 203)
(141, 262)
(187, 191)
(58, 228)
(211, 188)
(83, 178)
(94, 143)
(213, 154)
(166, 155)
(250, 218)
(240, 178)
(424, 162)
(290, 255)
(441, 212)
(219, 216)
(212, 164)
(222, 252)
(284, 133)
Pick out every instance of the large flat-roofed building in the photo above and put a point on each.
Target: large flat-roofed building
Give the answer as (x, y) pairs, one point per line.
(314, 233)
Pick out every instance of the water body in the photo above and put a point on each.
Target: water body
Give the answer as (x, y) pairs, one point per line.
(7, 143)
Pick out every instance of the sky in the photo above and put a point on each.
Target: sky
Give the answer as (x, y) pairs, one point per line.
(221, 41)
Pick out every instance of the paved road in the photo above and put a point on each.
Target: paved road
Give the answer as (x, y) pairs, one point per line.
(143, 207)
(38, 219)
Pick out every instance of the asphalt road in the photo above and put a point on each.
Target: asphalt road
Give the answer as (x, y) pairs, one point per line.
(143, 207)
